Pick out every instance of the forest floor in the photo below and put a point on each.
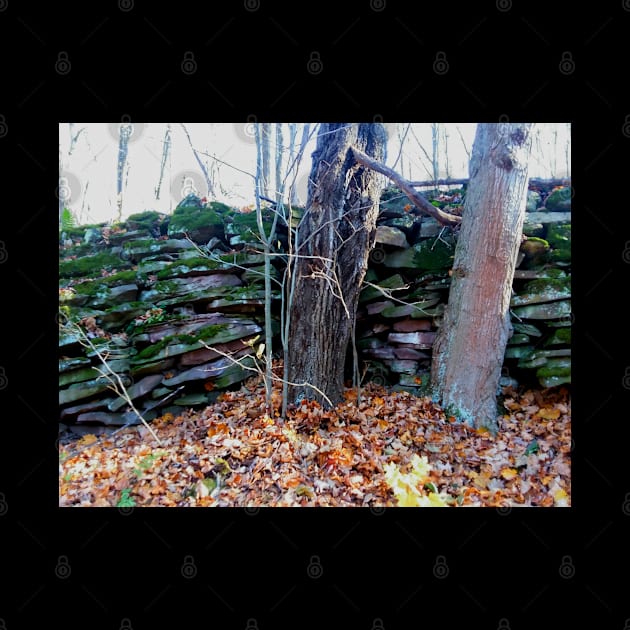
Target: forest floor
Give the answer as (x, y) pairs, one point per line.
(387, 449)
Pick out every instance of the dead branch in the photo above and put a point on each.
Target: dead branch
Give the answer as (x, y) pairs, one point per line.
(416, 198)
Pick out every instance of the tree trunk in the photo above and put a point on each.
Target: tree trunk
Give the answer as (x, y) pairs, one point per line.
(333, 242)
(123, 148)
(469, 349)
(305, 135)
(266, 160)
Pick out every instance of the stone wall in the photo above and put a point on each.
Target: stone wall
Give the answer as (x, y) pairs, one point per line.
(149, 299)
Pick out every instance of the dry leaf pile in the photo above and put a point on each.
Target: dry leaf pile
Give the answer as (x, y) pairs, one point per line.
(388, 449)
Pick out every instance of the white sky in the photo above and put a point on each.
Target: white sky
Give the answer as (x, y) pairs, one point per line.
(90, 170)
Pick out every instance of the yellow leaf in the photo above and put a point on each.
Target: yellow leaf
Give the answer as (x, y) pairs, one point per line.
(549, 413)
(560, 498)
(87, 439)
(509, 473)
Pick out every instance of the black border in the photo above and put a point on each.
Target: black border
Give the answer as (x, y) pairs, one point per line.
(255, 566)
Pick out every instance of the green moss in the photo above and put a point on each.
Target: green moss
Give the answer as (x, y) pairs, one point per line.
(211, 331)
(191, 218)
(89, 264)
(560, 336)
(559, 199)
(146, 220)
(166, 286)
(153, 349)
(208, 332)
(185, 266)
(142, 243)
(540, 285)
(547, 371)
(389, 193)
(95, 287)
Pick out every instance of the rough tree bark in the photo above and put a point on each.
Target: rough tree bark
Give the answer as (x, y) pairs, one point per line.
(470, 346)
(333, 240)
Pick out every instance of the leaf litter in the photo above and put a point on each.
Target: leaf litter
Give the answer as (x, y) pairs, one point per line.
(387, 449)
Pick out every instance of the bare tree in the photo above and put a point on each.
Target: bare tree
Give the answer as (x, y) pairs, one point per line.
(266, 159)
(296, 162)
(435, 151)
(332, 244)
(166, 150)
(470, 346)
(210, 187)
(124, 133)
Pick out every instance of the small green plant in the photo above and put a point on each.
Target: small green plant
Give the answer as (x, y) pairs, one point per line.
(125, 500)
(145, 463)
(67, 219)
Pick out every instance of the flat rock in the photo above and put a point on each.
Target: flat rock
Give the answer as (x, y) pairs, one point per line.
(141, 388)
(177, 287)
(388, 235)
(69, 412)
(419, 340)
(549, 310)
(382, 352)
(205, 372)
(377, 307)
(73, 363)
(412, 325)
(410, 354)
(115, 419)
(79, 391)
(548, 217)
(429, 227)
(78, 376)
(203, 355)
(427, 255)
(371, 293)
(402, 366)
(152, 367)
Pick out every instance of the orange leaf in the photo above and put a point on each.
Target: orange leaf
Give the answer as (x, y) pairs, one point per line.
(221, 427)
(87, 439)
(549, 413)
(208, 386)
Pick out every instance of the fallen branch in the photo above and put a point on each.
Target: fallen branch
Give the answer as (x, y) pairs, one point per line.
(416, 198)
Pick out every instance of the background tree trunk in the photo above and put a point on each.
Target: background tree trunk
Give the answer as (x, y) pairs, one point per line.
(125, 130)
(334, 237)
(266, 159)
(470, 346)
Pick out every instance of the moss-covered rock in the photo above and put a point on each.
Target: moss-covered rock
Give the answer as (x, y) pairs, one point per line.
(559, 237)
(88, 266)
(423, 256)
(559, 200)
(557, 371)
(535, 250)
(199, 223)
(533, 200)
(372, 293)
(150, 221)
(560, 336)
(543, 290)
(548, 310)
